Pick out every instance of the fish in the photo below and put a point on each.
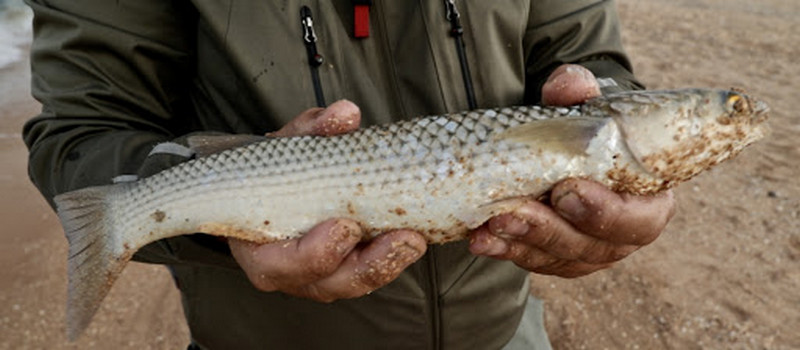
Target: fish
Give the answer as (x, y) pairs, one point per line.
(441, 175)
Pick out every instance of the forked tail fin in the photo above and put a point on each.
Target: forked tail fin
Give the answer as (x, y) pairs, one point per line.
(96, 251)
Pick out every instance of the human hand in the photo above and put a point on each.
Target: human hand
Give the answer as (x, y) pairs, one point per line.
(587, 227)
(328, 263)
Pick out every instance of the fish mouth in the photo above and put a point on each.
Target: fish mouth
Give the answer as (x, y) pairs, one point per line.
(759, 113)
(746, 107)
(760, 109)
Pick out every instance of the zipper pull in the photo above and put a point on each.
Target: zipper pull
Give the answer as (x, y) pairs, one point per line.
(454, 18)
(310, 36)
(457, 32)
(314, 58)
(308, 25)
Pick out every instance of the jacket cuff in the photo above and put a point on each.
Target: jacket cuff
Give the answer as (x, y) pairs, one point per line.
(611, 75)
(196, 249)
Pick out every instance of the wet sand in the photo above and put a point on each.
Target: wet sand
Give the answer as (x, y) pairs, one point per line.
(725, 275)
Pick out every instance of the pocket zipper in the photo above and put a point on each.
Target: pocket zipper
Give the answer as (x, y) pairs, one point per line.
(314, 58)
(457, 32)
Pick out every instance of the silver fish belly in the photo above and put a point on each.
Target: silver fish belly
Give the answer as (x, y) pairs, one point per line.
(440, 175)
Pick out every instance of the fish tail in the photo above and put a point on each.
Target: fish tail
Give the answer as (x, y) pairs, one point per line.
(97, 253)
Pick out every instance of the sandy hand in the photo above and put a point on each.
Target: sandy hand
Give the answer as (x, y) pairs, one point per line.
(586, 227)
(328, 263)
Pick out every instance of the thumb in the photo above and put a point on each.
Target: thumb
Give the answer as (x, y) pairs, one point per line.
(568, 85)
(341, 117)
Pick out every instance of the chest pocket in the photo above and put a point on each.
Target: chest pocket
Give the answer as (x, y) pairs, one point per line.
(409, 65)
(492, 37)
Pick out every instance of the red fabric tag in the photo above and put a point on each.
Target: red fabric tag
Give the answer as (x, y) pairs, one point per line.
(361, 22)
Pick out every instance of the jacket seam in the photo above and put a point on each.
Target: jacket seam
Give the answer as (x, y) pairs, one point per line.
(460, 276)
(387, 51)
(434, 300)
(456, 34)
(433, 56)
(566, 15)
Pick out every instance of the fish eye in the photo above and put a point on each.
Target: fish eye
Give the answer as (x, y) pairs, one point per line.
(736, 103)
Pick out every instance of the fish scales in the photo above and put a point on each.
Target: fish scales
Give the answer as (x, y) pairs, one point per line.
(439, 175)
(377, 159)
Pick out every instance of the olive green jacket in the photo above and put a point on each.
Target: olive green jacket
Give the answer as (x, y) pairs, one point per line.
(117, 77)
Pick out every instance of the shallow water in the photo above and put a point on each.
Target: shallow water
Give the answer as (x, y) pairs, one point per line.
(15, 31)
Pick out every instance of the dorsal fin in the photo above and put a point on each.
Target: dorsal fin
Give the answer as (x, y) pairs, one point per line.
(206, 145)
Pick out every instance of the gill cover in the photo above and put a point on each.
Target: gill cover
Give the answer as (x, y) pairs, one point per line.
(676, 134)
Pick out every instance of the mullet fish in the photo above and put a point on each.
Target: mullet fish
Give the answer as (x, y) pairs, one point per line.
(440, 175)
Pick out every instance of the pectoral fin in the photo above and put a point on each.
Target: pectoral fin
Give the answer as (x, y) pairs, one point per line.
(564, 135)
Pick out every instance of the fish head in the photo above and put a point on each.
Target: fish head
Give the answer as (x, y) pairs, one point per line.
(675, 135)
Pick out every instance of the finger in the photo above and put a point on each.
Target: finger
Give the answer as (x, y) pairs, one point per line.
(568, 85)
(547, 232)
(483, 242)
(369, 268)
(296, 262)
(528, 257)
(340, 117)
(522, 254)
(570, 269)
(602, 213)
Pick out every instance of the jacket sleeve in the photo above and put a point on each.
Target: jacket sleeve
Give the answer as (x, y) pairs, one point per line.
(113, 79)
(585, 32)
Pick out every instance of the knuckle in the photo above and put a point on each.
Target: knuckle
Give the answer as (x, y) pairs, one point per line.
(312, 292)
(263, 283)
(546, 237)
(319, 268)
(516, 252)
(354, 292)
(533, 259)
(618, 253)
(573, 269)
(568, 274)
(320, 295)
(374, 278)
(646, 234)
(649, 236)
(599, 252)
(326, 300)
(606, 219)
(555, 268)
(594, 252)
(381, 271)
(550, 241)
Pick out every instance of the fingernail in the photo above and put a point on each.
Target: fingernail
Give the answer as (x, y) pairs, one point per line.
(333, 124)
(570, 206)
(508, 225)
(405, 253)
(572, 70)
(488, 245)
(340, 117)
(385, 269)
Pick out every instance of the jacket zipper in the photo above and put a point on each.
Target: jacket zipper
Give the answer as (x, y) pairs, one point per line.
(457, 32)
(314, 58)
(435, 301)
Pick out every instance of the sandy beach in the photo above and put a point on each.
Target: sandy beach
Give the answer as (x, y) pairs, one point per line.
(725, 274)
